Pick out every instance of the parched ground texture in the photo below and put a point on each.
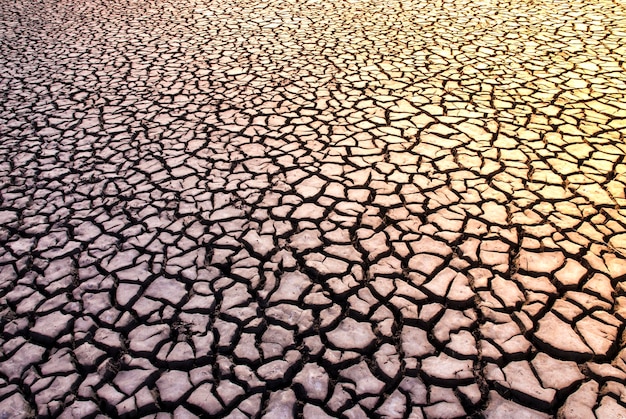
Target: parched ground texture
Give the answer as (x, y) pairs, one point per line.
(315, 208)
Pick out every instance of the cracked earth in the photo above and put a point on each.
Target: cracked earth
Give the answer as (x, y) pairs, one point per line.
(314, 208)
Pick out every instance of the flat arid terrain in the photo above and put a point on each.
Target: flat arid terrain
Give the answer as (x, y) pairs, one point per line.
(313, 209)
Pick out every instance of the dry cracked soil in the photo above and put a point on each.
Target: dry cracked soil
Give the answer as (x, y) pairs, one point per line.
(312, 208)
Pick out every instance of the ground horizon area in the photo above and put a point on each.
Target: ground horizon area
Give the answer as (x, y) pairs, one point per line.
(312, 209)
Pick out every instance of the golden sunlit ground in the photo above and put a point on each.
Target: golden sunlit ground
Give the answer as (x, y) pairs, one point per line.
(312, 209)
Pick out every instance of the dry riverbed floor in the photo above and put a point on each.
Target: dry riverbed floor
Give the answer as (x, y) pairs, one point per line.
(315, 208)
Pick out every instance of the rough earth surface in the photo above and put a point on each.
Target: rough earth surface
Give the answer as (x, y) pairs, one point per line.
(314, 208)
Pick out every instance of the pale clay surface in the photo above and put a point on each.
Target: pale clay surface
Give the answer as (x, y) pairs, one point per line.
(396, 209)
